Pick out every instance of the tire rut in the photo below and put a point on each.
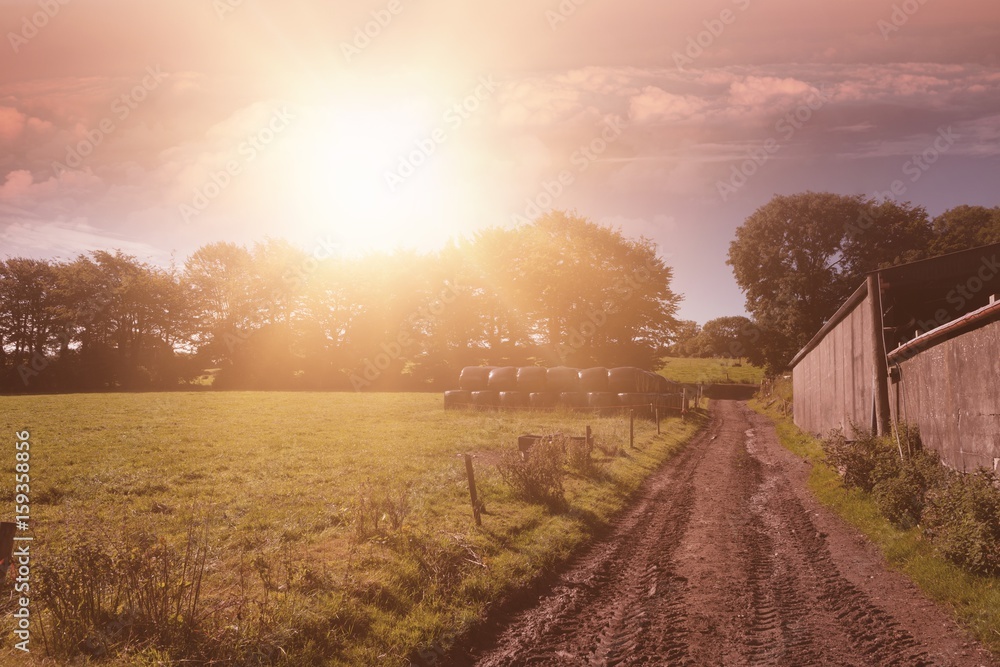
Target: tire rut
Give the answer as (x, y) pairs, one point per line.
(720, 562)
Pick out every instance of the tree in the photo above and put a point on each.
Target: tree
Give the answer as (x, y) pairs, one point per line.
(734, 337)
(798, 257)
(965, 227)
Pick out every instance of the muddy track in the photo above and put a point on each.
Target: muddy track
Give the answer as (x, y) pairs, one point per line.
(725, 559)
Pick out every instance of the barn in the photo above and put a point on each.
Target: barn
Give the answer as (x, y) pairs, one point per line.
(917, 343)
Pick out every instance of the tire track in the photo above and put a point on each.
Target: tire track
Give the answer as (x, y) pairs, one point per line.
(719, 562)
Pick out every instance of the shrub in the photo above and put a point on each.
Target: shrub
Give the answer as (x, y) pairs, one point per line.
(578, 454)
(536, 475)
(863, 461)
(962, 520)
(379, 508)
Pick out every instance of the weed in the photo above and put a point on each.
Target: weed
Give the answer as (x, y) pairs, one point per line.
(962, 519)
(536, 475)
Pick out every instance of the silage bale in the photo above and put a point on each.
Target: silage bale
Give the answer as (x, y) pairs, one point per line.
(457, 399)
(663, 385)
(475, 378)
(573, 399)
(646, 382)
(542, 400)
(503, 379)
(513, 399)
(603, 401)
(624, 380)
(485, 399)
(531, 378)
(563, 379)
(593, 379)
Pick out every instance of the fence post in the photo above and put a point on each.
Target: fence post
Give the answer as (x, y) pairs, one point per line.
(684, 401)
(472, 490)
(589, 438)
(657, 413)
(631, 429)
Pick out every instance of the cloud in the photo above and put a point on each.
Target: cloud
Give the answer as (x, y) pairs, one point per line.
(12, 123)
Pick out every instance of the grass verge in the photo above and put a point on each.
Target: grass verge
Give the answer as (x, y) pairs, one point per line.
(974, 600)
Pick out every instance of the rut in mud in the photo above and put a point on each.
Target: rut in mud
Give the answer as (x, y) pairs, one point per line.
(725, 559)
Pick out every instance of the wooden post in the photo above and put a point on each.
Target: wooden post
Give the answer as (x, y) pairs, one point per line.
(472, 490)
(657, 413)
(631, 429)
(880, 363)
(684, 401)
(590, 439)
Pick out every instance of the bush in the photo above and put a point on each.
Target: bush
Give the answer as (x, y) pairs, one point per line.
(962, 520)
(898, 484)
(864, 461)
(536, 475)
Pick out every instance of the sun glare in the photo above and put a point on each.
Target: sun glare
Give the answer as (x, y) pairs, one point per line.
(343, 169)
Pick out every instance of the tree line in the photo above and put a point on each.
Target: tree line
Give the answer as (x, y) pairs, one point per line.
(560, 290)
(799, 257)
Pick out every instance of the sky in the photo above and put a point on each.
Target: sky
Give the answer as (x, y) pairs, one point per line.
(156, 127)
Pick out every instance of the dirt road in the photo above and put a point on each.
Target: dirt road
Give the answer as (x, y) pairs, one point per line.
(725, 559)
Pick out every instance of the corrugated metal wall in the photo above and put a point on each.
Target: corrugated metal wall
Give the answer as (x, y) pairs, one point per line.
(952, 393)
(832, 384)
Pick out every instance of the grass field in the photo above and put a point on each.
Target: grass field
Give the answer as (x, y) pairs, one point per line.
(974, 600)
(710, 371)
(290, 528)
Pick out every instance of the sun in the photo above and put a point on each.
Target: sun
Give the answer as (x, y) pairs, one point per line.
(368, 174)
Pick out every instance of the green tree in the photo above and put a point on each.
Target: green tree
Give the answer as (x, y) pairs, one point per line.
(965, 227)
(798, 257)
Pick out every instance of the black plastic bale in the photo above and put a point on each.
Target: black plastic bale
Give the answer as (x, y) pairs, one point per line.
(563, 379)
(458, 398)
(532, 379)
(503, 379)
(593, 379)
(475, 378)
(513, 400)
(624, 380)
(485, 400)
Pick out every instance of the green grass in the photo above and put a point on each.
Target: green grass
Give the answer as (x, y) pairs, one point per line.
(280, 481)
(974, 600)
(710, 371)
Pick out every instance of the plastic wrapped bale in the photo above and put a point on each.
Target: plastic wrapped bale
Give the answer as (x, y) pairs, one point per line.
(485, 400)
(604, 402)
(474, 378)
(531, 378)
(503, 379)
(624, 380)
(594, 379)
(646, 382)
(541, 400)
(515, 400)
(573, 399)
(663, 385)
(668, 402)
(456, 399)
(562, 379)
